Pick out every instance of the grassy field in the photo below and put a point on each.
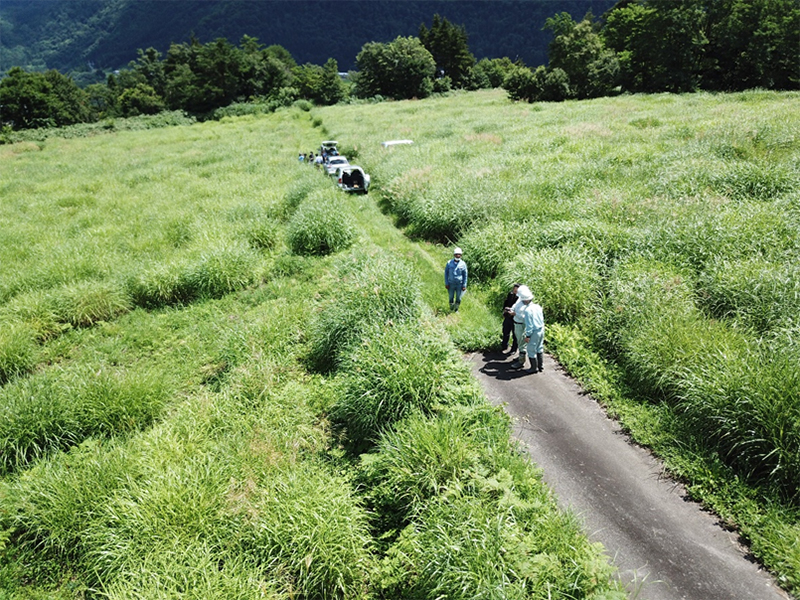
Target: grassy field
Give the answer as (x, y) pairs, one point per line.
(222, 378)
(661, 234)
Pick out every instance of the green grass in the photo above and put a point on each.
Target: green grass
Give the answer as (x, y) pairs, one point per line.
(178, 382)
(186, 388)
(663, 229)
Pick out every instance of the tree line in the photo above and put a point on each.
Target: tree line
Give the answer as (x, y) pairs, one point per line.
(637, 46)
(677, 46)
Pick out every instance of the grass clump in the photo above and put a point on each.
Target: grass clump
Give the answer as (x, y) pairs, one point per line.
(565, 281)
(760, 294)
(376, 291)
(305, 181)
(60, 409)
(394, 371)
(87, 303)
(18, 350)
(737, 395)
(214, 273)
(489, 246)
(322, 547)
(320, 226)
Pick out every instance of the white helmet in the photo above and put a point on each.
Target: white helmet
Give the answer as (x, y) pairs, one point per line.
(524, 293)
(457, 251)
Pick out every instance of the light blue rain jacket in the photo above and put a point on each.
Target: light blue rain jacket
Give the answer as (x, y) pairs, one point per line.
(455, 273)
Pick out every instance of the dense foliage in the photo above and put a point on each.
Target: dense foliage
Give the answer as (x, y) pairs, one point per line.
(638, 46)
(668, 46)
(89, 37)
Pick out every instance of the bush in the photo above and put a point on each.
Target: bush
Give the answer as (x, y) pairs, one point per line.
(375, 291)
(394, 371)
(320, 226)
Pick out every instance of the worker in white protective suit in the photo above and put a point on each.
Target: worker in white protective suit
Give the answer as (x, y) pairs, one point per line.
(529, 328)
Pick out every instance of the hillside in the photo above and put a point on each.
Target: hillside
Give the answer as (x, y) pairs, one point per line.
(73, 34)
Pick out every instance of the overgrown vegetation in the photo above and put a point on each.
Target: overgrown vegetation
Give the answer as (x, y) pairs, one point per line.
(661, 234)
(187, 400)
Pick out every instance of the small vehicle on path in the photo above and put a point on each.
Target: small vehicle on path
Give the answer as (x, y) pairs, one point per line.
(334, 163)
(328, 147)
(352, 178)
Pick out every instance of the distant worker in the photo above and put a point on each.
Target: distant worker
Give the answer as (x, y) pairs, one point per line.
(301, 157)
(455, 279)
(508, 320)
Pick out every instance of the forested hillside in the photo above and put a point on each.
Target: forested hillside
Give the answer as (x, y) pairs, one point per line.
(73, 34)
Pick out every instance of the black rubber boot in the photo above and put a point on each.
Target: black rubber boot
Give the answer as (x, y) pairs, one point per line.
(540, 360)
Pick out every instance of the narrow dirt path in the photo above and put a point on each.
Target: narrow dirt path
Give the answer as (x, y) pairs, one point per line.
(669, 547)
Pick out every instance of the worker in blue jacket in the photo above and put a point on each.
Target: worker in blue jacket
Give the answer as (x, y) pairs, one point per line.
(455, 279)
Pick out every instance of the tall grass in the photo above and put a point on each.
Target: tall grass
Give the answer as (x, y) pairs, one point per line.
(320, 226)
(60, 409)
(376, 291)
(18, 350)
(396, 371)
(565, 281)
(760, 294)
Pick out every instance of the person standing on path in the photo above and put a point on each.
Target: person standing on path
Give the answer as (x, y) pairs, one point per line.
(529, 329)
(455, 279)
(508, 320)
(534, 335)
(517, 312)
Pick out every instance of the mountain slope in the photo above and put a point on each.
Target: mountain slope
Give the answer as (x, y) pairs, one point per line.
(72, 34)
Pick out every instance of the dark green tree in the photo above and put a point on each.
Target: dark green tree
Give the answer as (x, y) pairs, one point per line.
(580, 52)
(219, 70)
(520, 84)
(32, 100)
(491, 72)
(183, 86)
(400, 69)
(150, 68)
(141, 99)
(321, 85)
(752, 43)
(660, 44)
(447, 43)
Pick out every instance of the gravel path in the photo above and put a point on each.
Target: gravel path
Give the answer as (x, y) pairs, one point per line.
(668, 547)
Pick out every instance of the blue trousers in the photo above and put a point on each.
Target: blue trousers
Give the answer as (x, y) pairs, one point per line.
(455, 292)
